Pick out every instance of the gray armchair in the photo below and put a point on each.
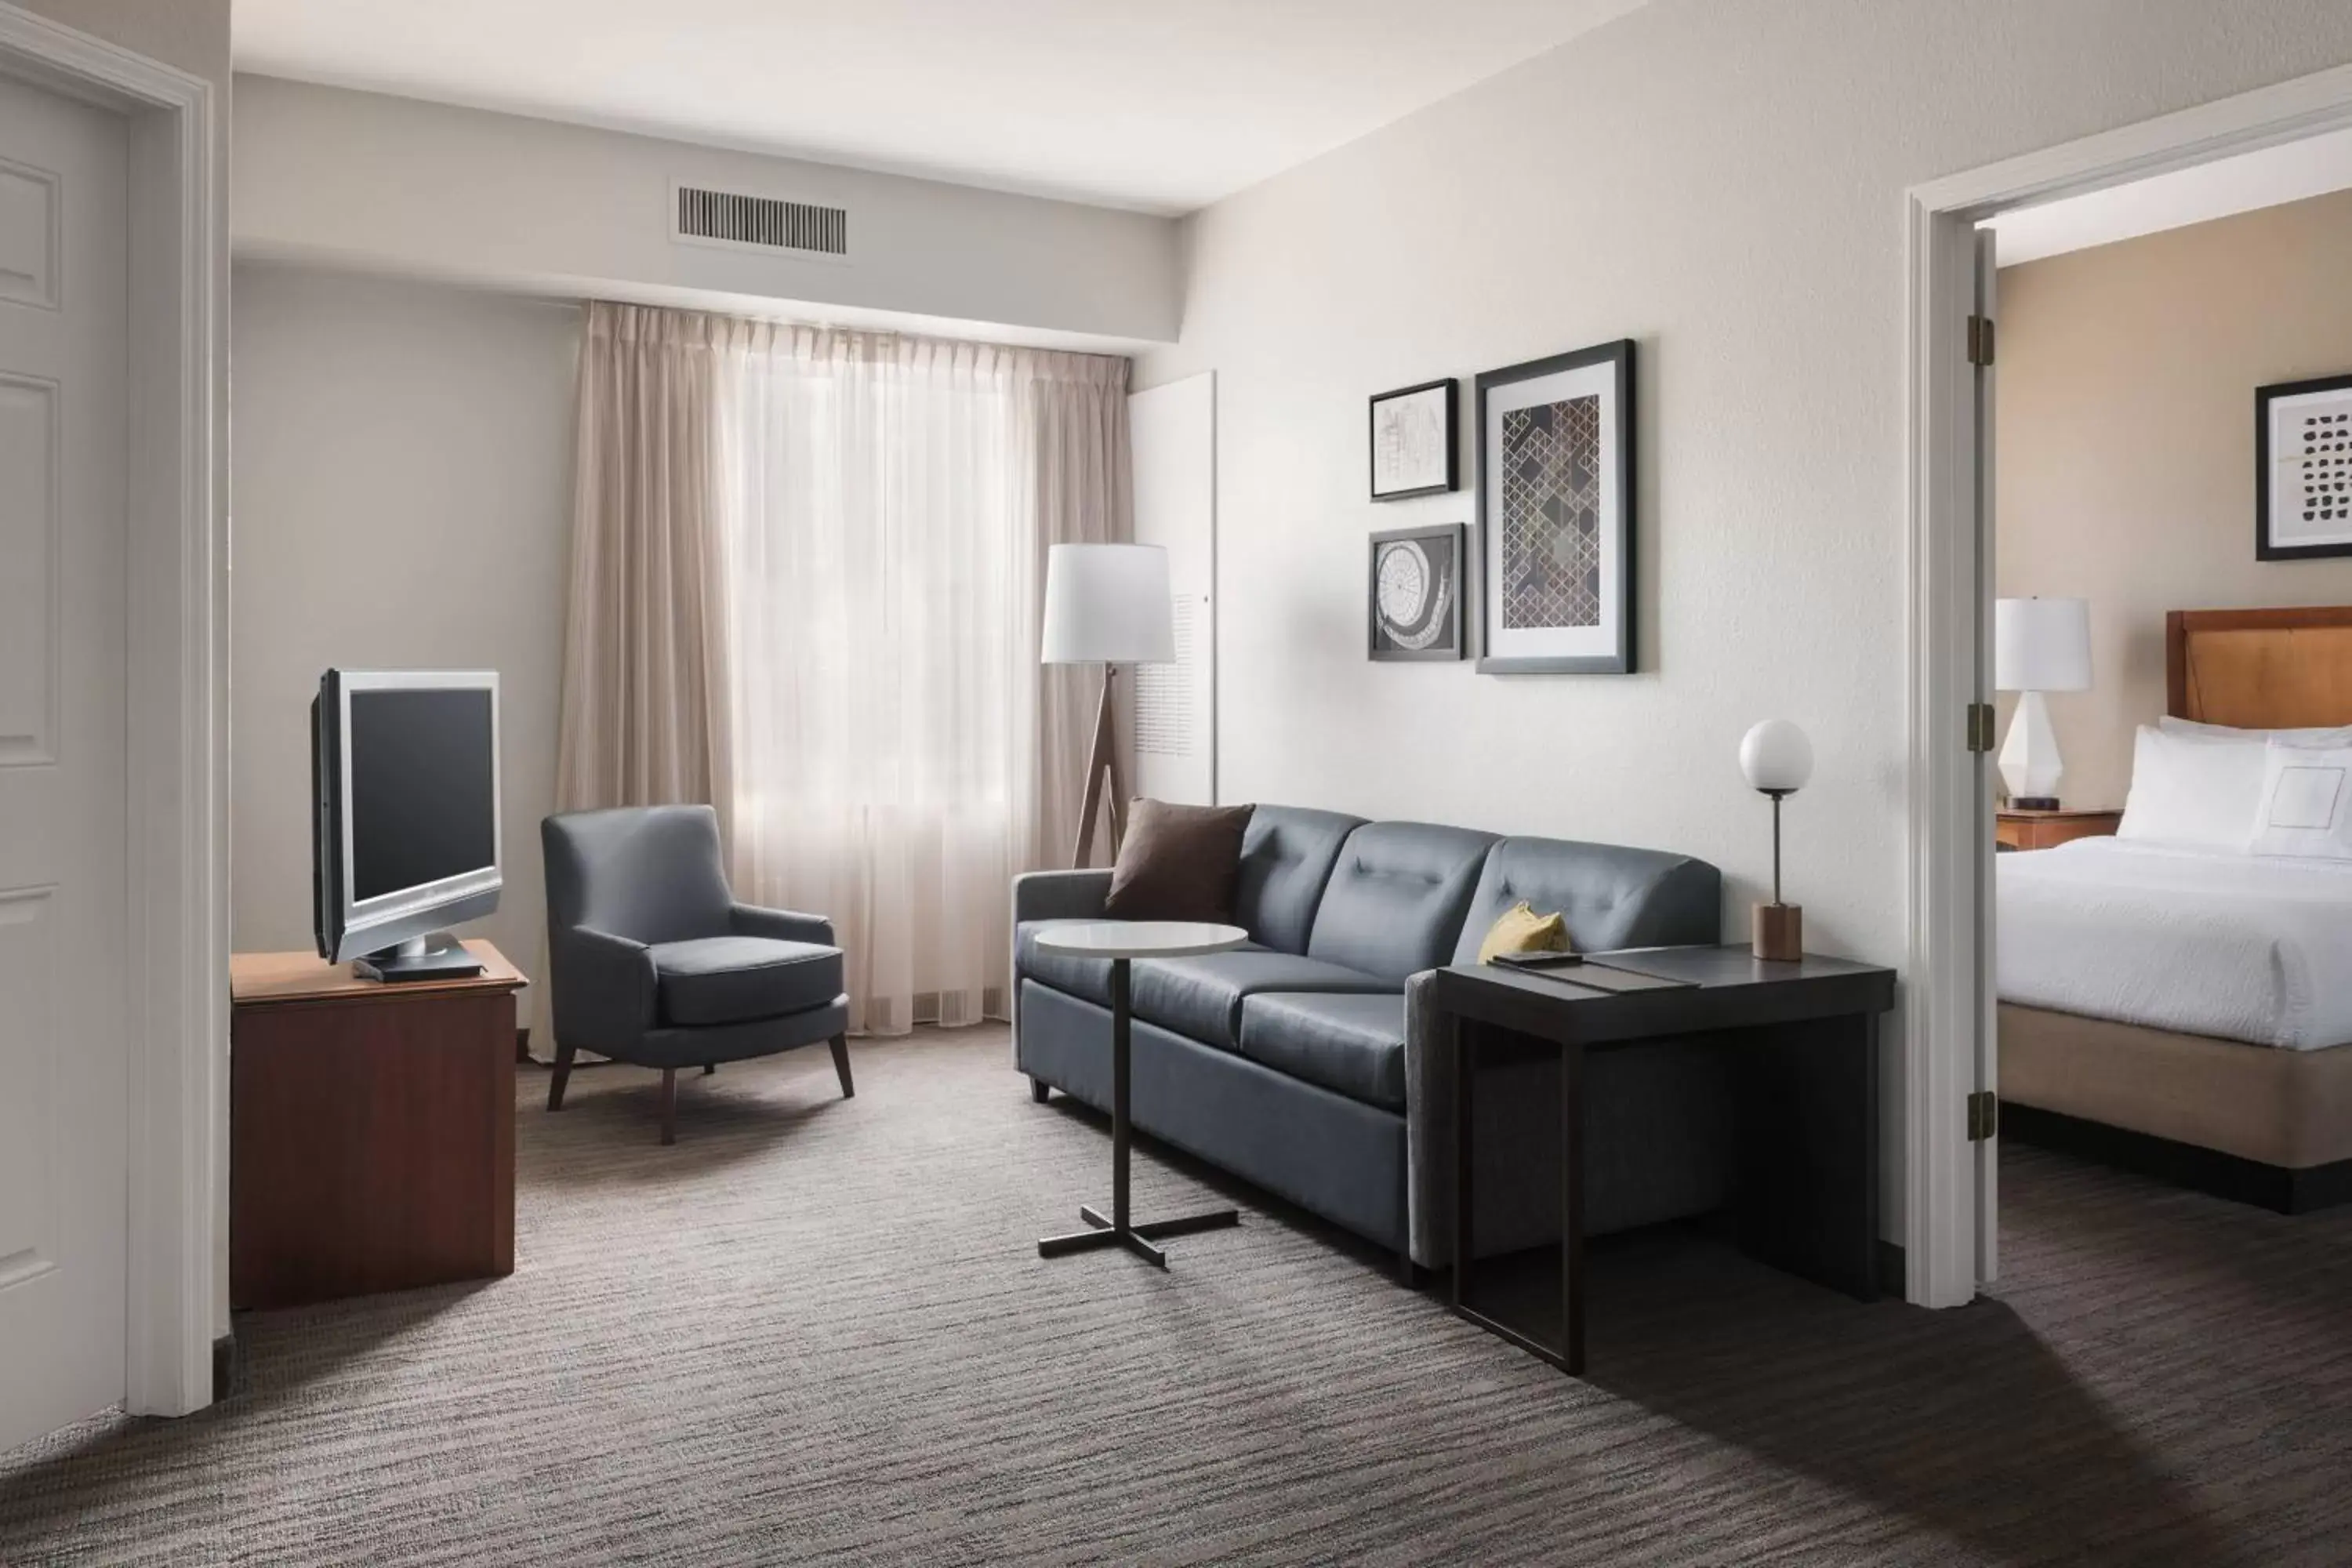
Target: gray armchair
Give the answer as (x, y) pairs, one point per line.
(651, 960)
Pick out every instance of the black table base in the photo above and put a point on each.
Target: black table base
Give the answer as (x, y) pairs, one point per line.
(1115, 1229)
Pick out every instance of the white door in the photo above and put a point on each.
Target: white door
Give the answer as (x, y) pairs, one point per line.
(64, 1107)
(1172, 430)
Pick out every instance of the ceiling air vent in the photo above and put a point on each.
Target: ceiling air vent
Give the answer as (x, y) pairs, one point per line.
(759, 223)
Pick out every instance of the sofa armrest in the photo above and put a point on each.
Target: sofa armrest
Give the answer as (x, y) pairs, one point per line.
(1428, 1127)
(780, 925)
(1061, 895)
(604, 988)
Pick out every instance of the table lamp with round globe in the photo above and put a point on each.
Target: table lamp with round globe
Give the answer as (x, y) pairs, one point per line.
(1777, 761)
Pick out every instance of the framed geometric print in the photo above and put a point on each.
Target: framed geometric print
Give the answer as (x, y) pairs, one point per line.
(1416, 593)
(2303, 470)
(1556, 514)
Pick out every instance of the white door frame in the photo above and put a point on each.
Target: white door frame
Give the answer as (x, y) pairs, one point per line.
(175, 970)
(1947, 848)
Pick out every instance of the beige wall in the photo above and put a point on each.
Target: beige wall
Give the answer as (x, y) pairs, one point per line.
(404, 473)
(2126, 442)
(1722, 181)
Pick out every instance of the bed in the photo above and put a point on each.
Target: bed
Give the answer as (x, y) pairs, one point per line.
(2186, 1010)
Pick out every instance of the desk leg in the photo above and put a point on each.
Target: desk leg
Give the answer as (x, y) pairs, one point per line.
(1463, 1037)
(1808, 1198)
(1114, 1229)
(1571, 1208)
(1566, 1352)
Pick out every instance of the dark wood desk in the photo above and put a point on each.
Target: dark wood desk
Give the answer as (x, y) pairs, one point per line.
(371, 1129)
(1802, 1044)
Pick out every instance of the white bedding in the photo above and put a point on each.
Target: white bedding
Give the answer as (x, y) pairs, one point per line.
(2201, 942)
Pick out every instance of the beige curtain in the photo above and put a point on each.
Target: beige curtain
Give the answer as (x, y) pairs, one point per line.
(1078, 489)
(645, 717)
(807, 585)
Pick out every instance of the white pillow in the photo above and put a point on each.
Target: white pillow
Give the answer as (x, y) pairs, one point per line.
(2307, 806)
(2339, 736)
(2193, 789)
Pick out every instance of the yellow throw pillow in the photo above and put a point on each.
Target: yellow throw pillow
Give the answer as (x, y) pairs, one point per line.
(1521, 930)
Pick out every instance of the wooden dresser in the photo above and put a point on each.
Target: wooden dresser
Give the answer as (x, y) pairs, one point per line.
(2048, 829)
(371, 1129)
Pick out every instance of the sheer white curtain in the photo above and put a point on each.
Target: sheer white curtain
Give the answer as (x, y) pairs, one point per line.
(898, 753)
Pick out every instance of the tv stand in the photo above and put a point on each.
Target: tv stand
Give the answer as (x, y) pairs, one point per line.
(439, 956)
(371, 1129)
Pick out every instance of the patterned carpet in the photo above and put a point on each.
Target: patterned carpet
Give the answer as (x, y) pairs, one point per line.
(817, 1331)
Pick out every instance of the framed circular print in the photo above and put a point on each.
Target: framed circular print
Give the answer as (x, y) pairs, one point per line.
(1416, 593)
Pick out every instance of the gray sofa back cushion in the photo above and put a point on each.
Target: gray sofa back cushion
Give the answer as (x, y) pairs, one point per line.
(648, 873)
(1286, 857)
(1612, 896)
(1395, 900)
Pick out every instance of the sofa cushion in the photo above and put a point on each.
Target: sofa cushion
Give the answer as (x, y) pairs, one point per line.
(1396, 897)
(737, 979)
(1086, 977)
(1611, 896)
(1286, 857)
(1351, 1045)
(1202, 996)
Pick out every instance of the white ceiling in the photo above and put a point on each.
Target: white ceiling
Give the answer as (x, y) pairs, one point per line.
(1160, 105)
(2266, 178)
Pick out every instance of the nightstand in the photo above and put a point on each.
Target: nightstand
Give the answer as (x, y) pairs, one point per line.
(2048, 829)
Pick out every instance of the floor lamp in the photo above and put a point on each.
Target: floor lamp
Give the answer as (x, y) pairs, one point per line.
(1106, 605)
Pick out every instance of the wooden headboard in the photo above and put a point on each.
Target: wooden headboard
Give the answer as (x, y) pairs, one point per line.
(2260, 669)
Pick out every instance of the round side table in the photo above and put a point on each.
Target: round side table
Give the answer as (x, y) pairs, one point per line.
(1122, 942)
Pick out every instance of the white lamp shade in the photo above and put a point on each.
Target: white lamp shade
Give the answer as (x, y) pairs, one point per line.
(1107, 603)
(2041, 645)
(1777, 757)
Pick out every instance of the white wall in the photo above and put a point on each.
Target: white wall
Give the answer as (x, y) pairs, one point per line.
(404, 474)
(323, 175)
(1723, 182)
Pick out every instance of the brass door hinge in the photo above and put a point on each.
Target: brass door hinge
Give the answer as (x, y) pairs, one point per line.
(1980, 726)
(1980, 340)
(1984, 1115)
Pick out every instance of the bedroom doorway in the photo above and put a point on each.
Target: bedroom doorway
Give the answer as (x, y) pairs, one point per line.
(1952, 1075)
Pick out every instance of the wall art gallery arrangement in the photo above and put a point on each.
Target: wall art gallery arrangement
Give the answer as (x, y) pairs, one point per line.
(1553, 549)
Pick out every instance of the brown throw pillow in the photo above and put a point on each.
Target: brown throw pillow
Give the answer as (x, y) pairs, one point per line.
(1178, 862)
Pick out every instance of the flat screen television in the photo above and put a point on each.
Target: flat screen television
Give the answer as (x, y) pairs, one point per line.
(404, 836)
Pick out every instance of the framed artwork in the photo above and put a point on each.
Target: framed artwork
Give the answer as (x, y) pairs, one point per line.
(2303, 470)
(1556, 514)
(1416, 448)
(1416, 593)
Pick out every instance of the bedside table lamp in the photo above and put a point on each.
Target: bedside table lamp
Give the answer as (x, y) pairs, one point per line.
(1777, 761)
(2038, 645)
(1106, 605)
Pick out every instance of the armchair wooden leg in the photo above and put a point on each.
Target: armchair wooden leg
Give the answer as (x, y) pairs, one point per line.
(669, 1105)
(709, 1068)
(1039, 1091)
(559, 1078)
(841, 1066)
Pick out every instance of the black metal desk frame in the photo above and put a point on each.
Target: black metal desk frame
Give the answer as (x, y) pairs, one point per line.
(1803, 1039)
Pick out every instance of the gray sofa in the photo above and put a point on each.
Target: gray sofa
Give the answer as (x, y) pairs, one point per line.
(1305, 1063)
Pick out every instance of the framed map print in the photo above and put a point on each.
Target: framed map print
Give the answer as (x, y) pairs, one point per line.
(2303, 470)
(1416, 608)
(1556, 514)
(1415, 442)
